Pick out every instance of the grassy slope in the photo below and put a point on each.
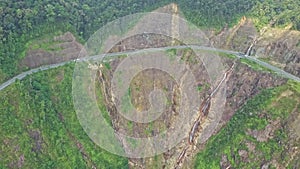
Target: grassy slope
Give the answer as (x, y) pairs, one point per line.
(233, 136)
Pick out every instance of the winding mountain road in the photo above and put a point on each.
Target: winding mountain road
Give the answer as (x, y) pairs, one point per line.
(97, 57)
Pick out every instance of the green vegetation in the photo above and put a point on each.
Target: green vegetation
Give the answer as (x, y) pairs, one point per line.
(199, 88)
(215, 13)
(218, 13)
(278, 13)
(231, 56)
(126, 105)
(295, 86)
(265, 59)
(298, 44)
(38, 122)
(46, 42)
(24, 21)
(172, 54)
(101, 105)
(188, 56)
(149, 129)
(129, 128)
(205, 86)
(107, 65)
(254, 65)
(267, 106)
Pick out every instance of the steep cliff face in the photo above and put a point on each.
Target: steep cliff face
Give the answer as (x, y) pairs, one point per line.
(243, 84)
(280, 47)
(238, 38)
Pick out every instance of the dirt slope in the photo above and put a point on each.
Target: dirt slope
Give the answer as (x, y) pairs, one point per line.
(280, 47)
(52, 50)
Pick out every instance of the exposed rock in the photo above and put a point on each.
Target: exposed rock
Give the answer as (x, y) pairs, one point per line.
(238, 38)
(282, 50)
(279, 46)
(245, 83)
(243, 154)
(250, 146)
(37, 139)
(21, 161)
(224, 163)
(265, 166)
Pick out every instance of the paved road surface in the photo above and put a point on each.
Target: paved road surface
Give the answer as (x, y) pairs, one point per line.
(97, 57)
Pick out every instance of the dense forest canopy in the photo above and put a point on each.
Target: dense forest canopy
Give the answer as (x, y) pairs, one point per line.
(24, 20)
(37, 117)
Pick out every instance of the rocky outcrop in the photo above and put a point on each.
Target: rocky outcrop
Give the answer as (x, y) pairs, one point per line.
(280, 47)
(282, 50)
(245, 83)
(237, 38)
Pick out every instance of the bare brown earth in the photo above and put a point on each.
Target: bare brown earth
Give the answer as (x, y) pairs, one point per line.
(243, 84)
(62, 48)
(280, 47)
(140, 42)
(140, 87)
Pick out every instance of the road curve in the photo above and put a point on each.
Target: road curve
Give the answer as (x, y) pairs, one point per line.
(97, 57)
